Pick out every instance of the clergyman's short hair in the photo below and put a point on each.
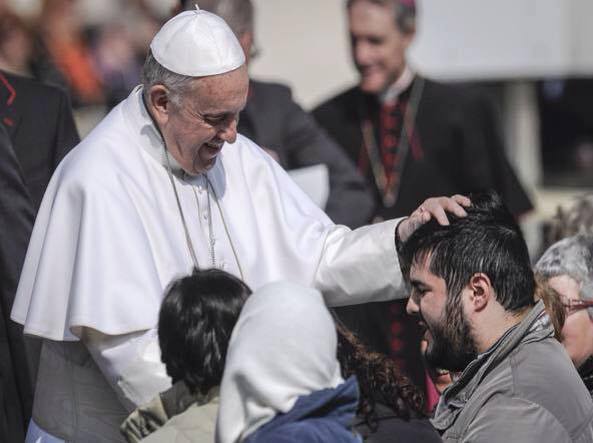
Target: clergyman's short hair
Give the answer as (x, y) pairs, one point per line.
(238, 14)
(487, 241)
(196, 319)
(404, 12)
(573, 257)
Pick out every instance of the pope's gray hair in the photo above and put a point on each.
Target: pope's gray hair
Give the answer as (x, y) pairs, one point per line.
(573, 257)
(153, 73)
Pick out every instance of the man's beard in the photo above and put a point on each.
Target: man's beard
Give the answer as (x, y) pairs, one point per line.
(452, 346)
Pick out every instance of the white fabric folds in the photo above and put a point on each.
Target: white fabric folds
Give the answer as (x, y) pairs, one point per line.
(197, 43)
(284, 346)
(108, 238)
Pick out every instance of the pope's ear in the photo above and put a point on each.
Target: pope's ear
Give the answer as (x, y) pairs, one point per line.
(159, 103)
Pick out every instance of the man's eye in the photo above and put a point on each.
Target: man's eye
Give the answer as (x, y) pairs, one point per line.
(418, 293)
(214, 120)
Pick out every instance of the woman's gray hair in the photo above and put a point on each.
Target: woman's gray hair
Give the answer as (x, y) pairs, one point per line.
(573, 257)
(153, 73)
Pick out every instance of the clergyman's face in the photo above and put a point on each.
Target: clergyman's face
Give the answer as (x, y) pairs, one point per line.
(450, 344)
(205, 119)
(378, 46)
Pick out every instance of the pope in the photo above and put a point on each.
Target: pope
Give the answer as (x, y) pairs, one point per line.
(162, 185)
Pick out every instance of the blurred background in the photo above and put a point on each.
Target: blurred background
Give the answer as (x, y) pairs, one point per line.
(535, 57)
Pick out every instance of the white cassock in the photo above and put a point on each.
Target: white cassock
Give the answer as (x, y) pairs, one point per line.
(109, 238)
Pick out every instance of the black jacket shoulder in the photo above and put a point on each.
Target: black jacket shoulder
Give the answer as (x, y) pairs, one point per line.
(263, 89)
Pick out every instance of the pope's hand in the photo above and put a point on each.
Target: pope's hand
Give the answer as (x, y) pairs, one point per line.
(437, 208)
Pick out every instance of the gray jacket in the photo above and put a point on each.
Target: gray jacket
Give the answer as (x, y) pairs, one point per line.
(523, 389)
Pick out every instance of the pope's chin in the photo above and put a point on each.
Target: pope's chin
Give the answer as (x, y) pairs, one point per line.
(204, 163)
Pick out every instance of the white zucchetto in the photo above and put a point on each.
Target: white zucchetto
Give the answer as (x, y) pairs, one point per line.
(197, 44)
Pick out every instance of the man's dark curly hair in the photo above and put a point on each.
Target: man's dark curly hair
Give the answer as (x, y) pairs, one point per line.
(195, 324)
(379, 380)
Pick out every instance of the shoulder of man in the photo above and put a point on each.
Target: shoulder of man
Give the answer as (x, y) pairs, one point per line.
(262, 88)
(22, 90)
(509, 418)
(343, 101)
(534, 395)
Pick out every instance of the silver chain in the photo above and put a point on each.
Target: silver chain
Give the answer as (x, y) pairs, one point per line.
(190, 246)
(209, 188)
(211, 239)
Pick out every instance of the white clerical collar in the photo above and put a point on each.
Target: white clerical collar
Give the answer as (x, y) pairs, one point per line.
(400, 85)
(152, 141)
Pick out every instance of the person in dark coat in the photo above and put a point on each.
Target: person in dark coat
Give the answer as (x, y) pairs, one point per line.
(39, 121)
(412, 138)
(276, 122)
(390, 404)
(39, 129)
(16, 223)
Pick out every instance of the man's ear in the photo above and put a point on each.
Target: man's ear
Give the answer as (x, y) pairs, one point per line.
(159, 103)
(480, 291)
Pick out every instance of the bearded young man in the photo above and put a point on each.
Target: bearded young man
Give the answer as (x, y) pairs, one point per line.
(473, 290)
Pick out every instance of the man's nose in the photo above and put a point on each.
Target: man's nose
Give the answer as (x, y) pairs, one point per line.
(228, 132)
(412, 307)
(362, 53)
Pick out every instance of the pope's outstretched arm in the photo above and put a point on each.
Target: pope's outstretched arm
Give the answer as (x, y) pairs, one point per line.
(362, 265)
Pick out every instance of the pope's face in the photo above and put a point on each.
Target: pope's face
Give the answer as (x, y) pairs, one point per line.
(577, 332)
(205, 119)
(378, 46)
(449, 343)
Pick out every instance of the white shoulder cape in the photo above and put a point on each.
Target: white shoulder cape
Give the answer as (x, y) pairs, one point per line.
(108, 238)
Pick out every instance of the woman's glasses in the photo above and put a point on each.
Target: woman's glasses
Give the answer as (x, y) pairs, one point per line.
(574, 305)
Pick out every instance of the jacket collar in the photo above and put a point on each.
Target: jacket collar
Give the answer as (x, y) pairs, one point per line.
(453, 400)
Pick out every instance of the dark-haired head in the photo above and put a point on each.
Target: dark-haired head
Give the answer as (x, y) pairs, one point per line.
(487, 241)
(195, 324)
(476, 270)
(379, 379)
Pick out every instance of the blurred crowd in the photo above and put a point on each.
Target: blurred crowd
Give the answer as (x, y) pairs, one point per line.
(97, 61)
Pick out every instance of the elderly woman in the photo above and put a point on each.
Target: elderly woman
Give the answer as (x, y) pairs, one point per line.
(282, 380)
(567, 268)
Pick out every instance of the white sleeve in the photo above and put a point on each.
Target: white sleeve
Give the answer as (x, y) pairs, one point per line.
(131, 363)
(360, 266)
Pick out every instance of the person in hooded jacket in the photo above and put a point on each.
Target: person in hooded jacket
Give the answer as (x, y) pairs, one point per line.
(282, 381)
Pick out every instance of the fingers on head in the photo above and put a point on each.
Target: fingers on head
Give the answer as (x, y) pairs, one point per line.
(462, 200)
